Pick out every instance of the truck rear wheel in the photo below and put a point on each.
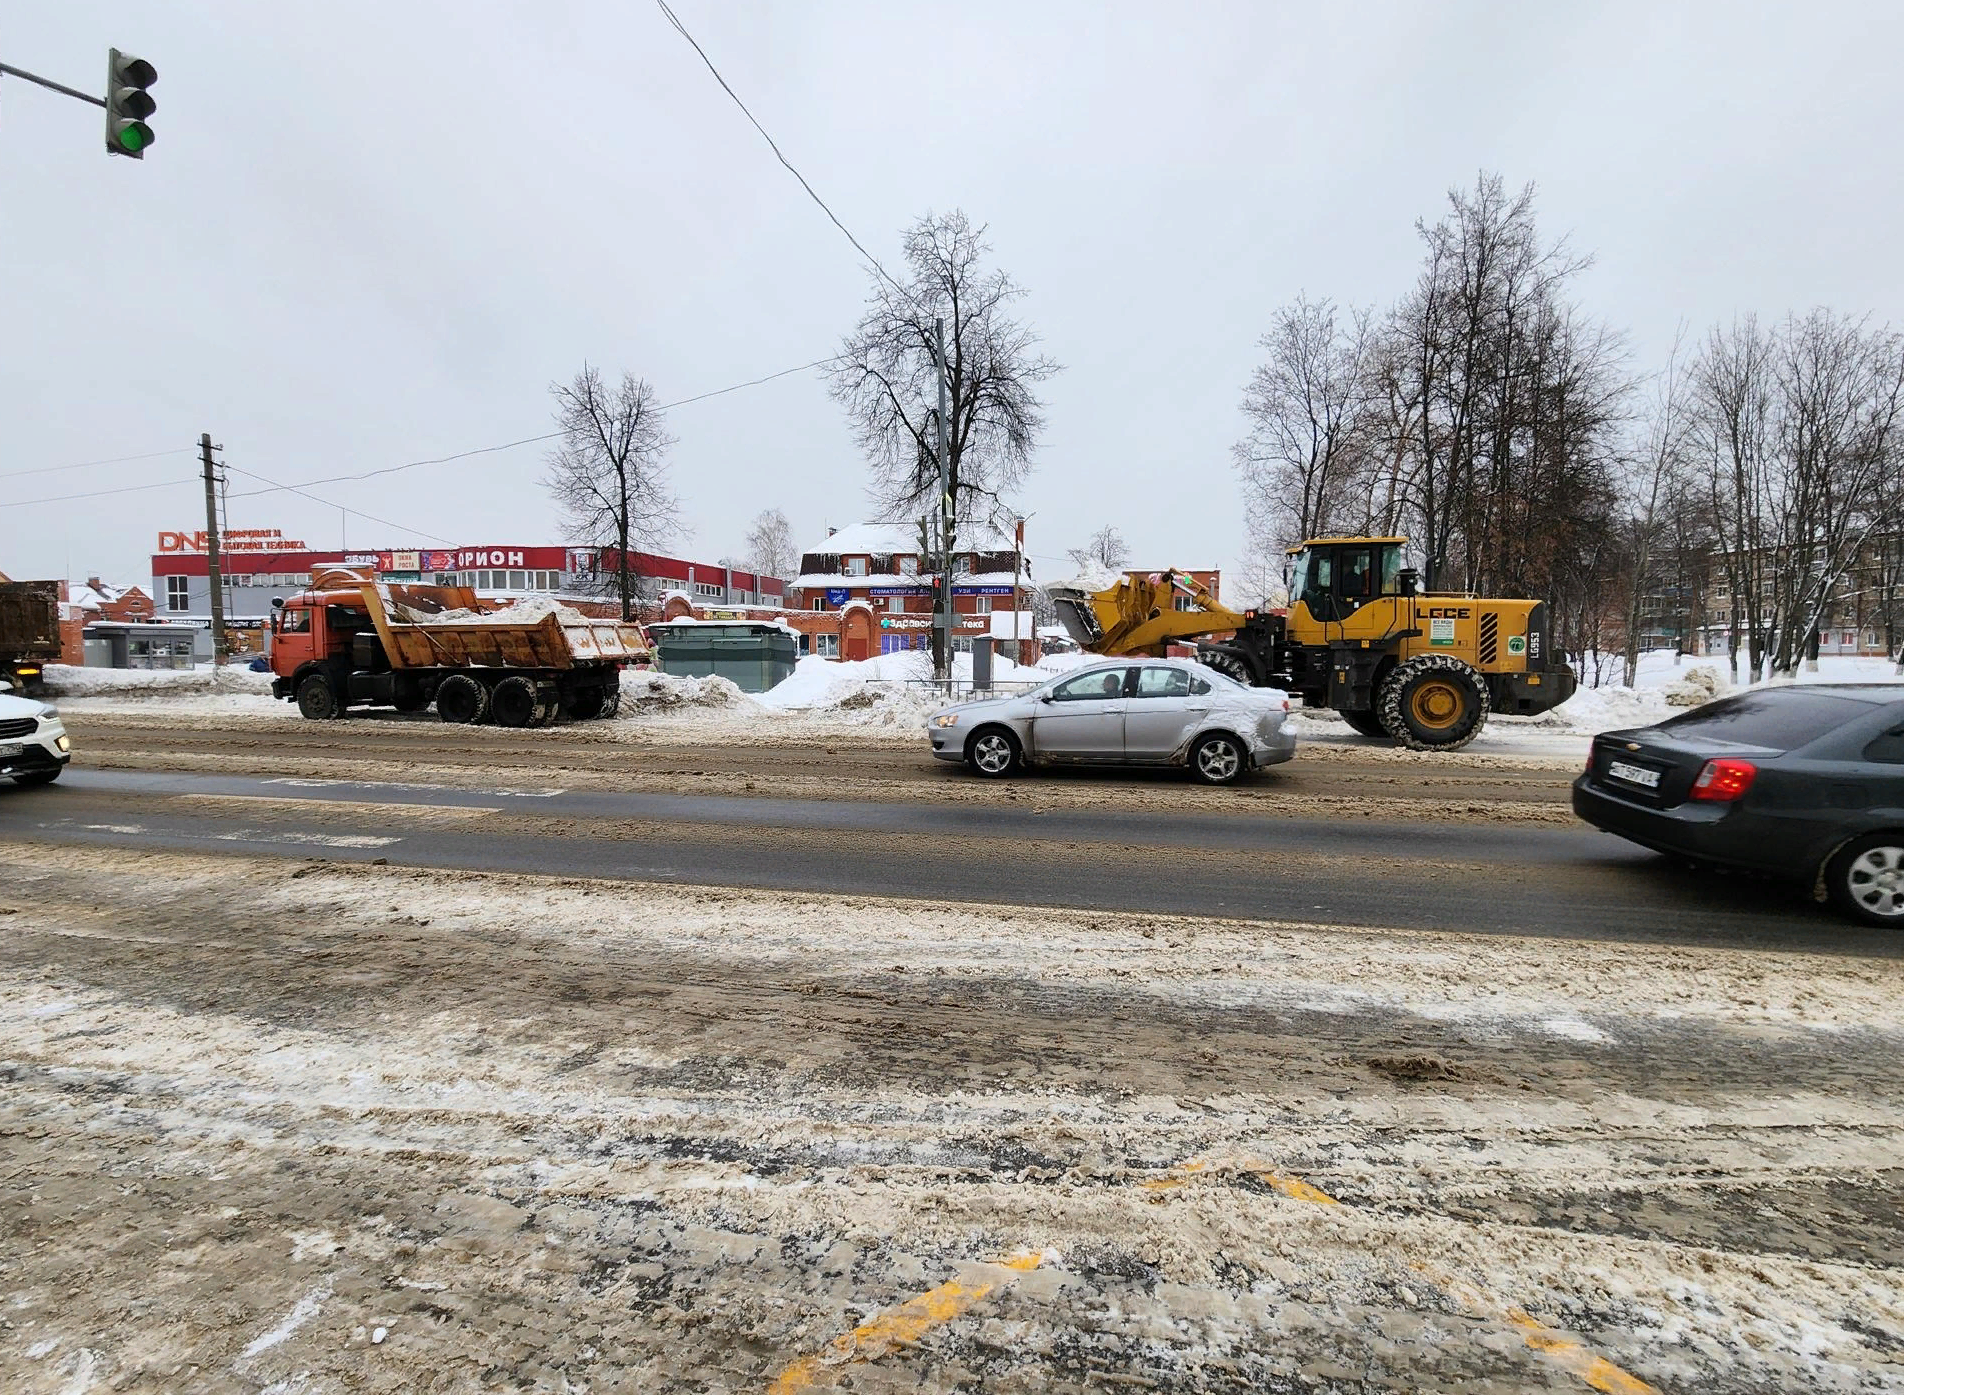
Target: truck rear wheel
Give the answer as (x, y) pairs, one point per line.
(462, 699)
(1433, 702)
(408, 695)
(517, 702)
(317, 699)
(585, 703)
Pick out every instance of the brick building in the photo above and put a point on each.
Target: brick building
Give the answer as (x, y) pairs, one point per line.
(866, 590)
(84, 603)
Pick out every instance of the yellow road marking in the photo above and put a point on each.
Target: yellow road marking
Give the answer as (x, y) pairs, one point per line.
(1565, 1351)
(1572, 1356)
(1288, 1186)
(899, 1327)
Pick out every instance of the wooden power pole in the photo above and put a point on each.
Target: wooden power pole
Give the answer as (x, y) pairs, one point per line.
(218, 596)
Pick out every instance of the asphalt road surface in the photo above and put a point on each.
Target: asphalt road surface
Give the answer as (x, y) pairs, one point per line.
(1513, 878)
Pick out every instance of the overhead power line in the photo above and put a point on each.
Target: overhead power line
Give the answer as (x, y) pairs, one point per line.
(97, 493)
(85, 464)
(295, 489)
(809, 188)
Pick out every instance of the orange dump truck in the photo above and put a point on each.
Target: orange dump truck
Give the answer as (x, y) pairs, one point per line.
(353, 641)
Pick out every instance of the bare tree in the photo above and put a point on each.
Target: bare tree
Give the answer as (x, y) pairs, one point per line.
(1306, 412)
(1105, 552)
(771, 545)
(609, 474)
(887, 377)
(1655, 485)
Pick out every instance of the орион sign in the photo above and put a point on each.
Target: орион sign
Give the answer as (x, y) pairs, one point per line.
(232, 540)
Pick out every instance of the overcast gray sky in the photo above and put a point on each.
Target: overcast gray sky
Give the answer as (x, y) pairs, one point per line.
(371, 233)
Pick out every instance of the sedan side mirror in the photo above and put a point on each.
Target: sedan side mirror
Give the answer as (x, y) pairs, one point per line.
(1046, 697)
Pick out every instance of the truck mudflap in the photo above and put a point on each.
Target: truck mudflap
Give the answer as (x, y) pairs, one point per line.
(1527, 694)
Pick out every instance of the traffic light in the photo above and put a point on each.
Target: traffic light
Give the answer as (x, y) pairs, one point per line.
(126, 104)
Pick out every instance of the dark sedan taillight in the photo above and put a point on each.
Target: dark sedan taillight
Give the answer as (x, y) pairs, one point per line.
(1724, 780)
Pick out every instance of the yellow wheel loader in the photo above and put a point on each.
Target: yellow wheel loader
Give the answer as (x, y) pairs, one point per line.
(1359, 635)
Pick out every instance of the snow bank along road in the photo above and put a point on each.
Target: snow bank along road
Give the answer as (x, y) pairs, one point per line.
(1516, 878)
(271, 1125)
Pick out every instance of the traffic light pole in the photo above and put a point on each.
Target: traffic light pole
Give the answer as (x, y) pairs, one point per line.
(7, 71)
(213, 584)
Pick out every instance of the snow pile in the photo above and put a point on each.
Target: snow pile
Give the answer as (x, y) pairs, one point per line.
(64, 681)
(825, 683)
(644, 691)
(529, 611)
(1696, 687)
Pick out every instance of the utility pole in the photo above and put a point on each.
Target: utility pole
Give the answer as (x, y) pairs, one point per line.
(1020, 537)
(212, 557)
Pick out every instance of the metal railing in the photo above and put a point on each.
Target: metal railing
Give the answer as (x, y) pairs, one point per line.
(957, 689)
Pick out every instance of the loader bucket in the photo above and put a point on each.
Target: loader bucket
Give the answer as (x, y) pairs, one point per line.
(1073, 611)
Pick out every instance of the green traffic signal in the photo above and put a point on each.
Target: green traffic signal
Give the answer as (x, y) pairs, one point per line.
(126, 104)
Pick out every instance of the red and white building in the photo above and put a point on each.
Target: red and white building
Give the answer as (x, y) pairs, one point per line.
(258, 565)
(866, 590)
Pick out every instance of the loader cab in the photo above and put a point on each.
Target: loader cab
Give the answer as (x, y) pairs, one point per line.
(1335, 577)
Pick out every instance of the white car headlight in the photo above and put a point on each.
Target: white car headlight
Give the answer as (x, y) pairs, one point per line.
(946, 719)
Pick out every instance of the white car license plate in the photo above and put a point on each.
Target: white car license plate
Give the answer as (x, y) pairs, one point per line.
(10, 749)
(1633, 774)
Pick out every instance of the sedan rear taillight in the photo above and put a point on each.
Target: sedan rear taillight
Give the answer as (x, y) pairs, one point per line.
(1724, 780)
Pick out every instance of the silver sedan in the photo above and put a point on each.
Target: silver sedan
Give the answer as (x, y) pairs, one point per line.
(1131, 712)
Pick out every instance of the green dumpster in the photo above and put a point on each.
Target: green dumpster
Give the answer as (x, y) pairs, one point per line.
(754, 657)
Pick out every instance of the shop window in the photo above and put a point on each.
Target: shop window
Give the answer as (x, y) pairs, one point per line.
(825, 646)
(499, 582)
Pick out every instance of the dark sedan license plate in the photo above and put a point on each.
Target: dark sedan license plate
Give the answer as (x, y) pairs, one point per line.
(1633, 775)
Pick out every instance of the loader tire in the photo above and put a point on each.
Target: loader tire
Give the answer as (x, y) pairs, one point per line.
(1234, 663)
(461, 700)
(1433, 702)
(517, 702)
(316, 698)
(1365, 722)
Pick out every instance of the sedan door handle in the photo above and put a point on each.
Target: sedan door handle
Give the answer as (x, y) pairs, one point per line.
(1112, 707)
(1198, 707)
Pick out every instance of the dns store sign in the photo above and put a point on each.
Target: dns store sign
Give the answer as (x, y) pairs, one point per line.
(232, 540)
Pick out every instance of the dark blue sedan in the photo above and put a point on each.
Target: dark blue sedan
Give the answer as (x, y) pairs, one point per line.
(1804, 782)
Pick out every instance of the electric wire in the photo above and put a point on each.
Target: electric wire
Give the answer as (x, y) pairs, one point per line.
(680, 27)
(85, 464)
(296, 489)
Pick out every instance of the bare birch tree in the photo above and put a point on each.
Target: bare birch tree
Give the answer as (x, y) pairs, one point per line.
(771, 546)
(1106, 551)
(1656, 488)
(609, 475)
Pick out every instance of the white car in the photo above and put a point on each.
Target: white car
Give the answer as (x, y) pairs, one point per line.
(1129, 712)
(34, 746)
